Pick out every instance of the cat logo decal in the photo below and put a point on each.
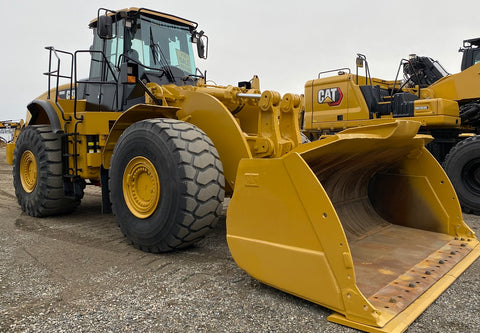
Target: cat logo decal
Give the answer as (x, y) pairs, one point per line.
(330, 96)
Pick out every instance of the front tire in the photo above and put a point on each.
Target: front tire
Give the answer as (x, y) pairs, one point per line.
(462, 165)
(167, 184)
(38, 173)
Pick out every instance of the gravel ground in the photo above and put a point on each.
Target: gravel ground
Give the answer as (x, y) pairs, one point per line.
(76, 273)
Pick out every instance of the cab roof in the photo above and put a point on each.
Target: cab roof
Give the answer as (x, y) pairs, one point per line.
(133, 11)
(471, 42)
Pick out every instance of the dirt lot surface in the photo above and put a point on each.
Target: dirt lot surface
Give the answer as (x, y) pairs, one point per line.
(77, 273)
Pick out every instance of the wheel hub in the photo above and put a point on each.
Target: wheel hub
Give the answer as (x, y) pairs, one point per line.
(141, 187)
(28, 171)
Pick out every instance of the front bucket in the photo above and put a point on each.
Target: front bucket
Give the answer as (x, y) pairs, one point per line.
(364, 222)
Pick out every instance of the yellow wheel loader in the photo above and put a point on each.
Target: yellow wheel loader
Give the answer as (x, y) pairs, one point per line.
(448, 106)
(8, 131)
(364, 222)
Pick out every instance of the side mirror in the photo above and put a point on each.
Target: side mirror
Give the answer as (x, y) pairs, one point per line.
(201, 40)
(105, 27)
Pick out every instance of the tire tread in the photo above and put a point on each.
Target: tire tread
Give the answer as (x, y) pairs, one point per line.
(201, 180)
(48, 197)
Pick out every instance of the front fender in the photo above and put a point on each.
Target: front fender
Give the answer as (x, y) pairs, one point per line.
(135, 113)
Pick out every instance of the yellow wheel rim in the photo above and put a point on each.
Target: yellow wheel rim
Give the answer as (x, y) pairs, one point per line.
(28, 171)
(141, 187)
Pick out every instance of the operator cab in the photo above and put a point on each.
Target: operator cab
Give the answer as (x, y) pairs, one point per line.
(422, 71)
(471, 52)
(133, 47)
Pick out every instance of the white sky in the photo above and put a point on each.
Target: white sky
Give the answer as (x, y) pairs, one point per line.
(286, 43)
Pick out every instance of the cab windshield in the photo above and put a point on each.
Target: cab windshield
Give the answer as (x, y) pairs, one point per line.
(476, 57)
(157, 44)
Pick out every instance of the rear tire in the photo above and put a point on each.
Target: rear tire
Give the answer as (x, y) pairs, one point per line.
(167, 184)
(462, 165)
(38, 173)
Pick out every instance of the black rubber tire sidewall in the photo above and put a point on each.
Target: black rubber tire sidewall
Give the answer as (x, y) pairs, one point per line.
(465, 152)
(48, 197)
(159, 232)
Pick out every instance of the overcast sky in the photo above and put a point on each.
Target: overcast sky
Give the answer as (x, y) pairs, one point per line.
(286, 43)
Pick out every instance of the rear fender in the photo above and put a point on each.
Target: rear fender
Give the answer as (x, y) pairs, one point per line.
(42, 112)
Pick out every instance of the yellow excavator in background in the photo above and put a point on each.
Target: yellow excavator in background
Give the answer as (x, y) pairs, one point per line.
(9, 129)
(447, 105)
(364, 222)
